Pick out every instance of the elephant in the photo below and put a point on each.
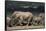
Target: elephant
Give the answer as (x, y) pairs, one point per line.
(37, 20)
(21, 18)
(7, 20)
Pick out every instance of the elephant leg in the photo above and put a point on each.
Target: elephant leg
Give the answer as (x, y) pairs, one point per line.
(10, 24)
(29, 23)
(24, 23)
(20, 22)
(39, 22)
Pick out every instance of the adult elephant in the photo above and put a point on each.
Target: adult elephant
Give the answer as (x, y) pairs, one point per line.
(21, 17)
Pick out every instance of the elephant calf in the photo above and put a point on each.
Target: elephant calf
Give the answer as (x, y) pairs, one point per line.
(37, 20)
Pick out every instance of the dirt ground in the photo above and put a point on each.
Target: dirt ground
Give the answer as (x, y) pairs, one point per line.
(24, 28)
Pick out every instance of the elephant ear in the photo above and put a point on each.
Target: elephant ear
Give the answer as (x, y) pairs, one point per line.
(41, 16)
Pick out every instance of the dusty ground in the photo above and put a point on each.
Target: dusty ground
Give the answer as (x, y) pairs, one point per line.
(23, 28)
